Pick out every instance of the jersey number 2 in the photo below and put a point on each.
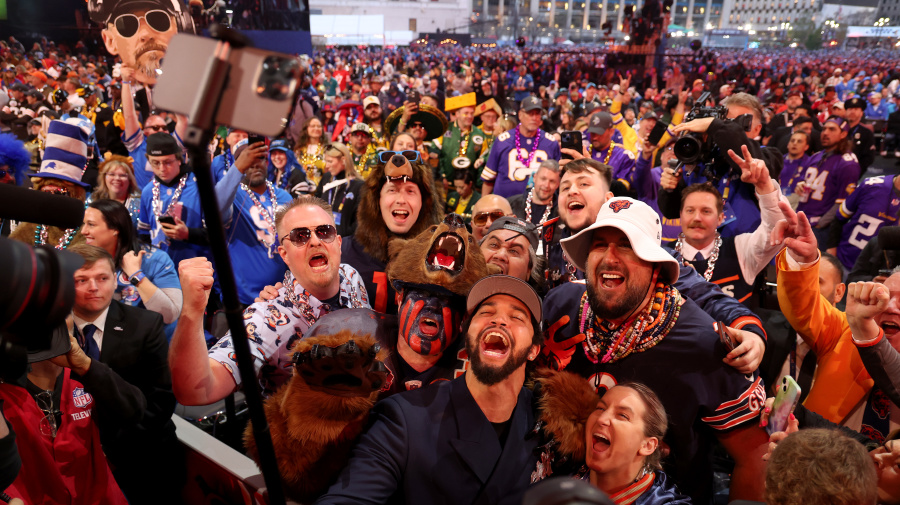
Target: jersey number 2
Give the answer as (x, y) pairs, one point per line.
(866, 228)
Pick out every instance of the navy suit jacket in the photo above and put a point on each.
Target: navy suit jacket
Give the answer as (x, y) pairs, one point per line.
(434, 445)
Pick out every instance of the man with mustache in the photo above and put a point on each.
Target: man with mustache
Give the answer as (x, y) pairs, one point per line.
(465, 440)
(636, 326)
(139, 31)
(732, 263)
(248, 202)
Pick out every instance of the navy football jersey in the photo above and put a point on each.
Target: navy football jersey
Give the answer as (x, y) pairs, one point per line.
(700, 393)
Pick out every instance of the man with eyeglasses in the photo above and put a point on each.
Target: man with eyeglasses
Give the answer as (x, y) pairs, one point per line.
(485, 211)
(134, 136)
(315, 283)
(170, 203)
(362, 152)
(248, 203)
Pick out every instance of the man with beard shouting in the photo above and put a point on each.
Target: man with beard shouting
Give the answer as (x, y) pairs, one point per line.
(465, 440)
(637, 327)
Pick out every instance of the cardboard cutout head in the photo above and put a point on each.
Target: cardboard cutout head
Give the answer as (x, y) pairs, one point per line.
(139, 31)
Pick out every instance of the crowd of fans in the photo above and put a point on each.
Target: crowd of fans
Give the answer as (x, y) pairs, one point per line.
(572, 176)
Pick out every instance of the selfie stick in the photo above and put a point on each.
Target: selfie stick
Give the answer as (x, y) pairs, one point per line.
(199, 134)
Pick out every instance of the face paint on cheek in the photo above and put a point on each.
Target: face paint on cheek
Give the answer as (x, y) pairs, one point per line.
(408, 328)
(451, 323)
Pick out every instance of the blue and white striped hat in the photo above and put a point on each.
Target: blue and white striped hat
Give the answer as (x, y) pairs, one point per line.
(65, 151)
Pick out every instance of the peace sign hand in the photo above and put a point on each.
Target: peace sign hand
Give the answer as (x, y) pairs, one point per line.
(753, 171)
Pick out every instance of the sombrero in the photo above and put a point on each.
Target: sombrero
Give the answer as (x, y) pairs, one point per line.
(435, 121)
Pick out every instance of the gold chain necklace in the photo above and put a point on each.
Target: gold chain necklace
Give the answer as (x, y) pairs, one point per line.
(608, 153)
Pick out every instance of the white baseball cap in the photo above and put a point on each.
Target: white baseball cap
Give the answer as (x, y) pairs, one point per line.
(639, 222)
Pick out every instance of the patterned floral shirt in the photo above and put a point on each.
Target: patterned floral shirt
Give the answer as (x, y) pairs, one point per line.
(273, 327)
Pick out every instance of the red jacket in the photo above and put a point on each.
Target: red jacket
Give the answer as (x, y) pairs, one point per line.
(70, 469)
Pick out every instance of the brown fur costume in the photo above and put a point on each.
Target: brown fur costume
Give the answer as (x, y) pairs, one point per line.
(372, 233)
(24, 232)
(566, 402)
(313, 428)
(411, 261)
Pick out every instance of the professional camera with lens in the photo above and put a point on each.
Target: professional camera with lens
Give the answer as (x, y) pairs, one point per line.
(693, 149)
(38, 293)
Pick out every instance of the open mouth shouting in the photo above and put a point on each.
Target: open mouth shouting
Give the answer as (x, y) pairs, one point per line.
(611, 280)
(448, 253)
(890, 328)
(599, 443)
(495, 343)
(400, 216)
(318, 262)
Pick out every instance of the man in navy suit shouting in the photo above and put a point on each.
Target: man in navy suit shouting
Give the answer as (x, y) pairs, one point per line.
(465, 440)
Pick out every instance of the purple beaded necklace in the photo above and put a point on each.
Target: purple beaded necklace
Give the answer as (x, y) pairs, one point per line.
(537, 142)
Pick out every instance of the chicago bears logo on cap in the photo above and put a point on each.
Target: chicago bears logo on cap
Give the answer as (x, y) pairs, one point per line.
(618, 205)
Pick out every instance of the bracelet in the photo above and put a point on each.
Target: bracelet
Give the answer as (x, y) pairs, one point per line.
(136, 278)
(126, 82)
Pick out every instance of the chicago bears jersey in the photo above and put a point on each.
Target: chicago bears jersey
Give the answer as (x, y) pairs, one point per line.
(700, 393)
(874, 204)
(510, 175)
(830, 177)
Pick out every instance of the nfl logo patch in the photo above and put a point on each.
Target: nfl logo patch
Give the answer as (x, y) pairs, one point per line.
(81, 398)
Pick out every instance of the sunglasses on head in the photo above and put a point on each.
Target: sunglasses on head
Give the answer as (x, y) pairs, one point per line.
(158, 128)
(385, 156)
(300, 236)
(128, 24)
(481, 218)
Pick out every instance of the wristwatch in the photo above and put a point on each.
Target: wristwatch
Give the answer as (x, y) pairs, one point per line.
(137, 278)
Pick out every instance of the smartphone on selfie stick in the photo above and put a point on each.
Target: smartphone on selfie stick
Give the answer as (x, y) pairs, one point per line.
(232, 80)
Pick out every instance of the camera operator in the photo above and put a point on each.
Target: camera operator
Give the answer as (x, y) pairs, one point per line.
(740, 205)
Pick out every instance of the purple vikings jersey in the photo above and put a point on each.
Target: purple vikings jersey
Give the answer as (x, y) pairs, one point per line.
(874, 204)
(792, 173)
(830, 177)
(620, 159)
(510, 176)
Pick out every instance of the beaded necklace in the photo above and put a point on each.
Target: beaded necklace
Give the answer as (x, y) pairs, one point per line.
(537, 142)
(360, 166)
(528, 208)
(269, 217)
(310, 159)
(713, 257)
(157, 201)
(464, 145)
(608, 153)
(640, 333)
(301, 301)
(40, 237)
